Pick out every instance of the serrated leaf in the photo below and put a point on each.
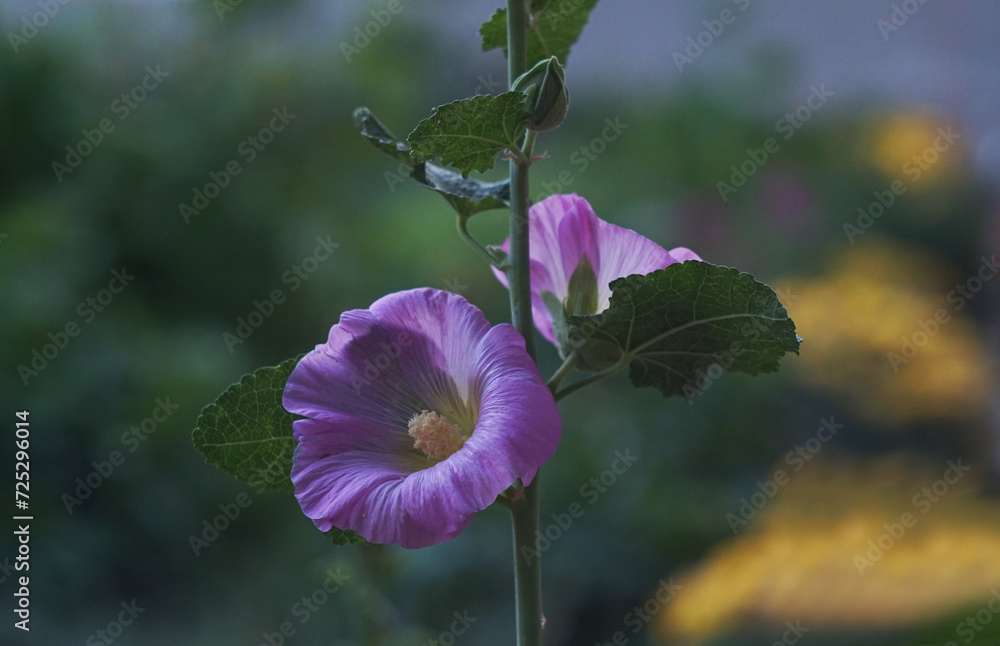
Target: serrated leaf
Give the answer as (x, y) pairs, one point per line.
(247, 433)
(556, 28)
(672, 325)
(469, 134)
(494, 32)
(344, 537)
(466, 195)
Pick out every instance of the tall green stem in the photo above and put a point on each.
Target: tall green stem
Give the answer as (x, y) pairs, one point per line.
(527, 567)
(518, 274)
(524, 512)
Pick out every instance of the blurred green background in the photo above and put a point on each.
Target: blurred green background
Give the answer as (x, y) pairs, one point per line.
(855, 297)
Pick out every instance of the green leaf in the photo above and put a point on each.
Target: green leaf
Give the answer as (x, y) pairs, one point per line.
(344, 537)
(494, 32)
(466, 195)
(469, 134)
(380, 137)
(557, 310)
(671, 326)
(247, 433)
(557, 26)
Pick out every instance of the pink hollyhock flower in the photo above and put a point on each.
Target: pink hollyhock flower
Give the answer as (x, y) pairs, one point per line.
(418, 415)
(575, 255)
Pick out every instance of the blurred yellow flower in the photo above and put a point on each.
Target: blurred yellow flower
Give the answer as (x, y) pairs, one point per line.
(881, 332)
(799, 559)
(915, 147)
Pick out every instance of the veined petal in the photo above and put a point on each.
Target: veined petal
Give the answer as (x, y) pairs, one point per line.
(357, 468)
(562, 228)
(439, 329)
(624, 252)
(355, 373)
(364, 491)
(518, 419)
(681, 254)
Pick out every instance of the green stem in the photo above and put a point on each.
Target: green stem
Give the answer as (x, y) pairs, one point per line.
(463, 230)
(524, 511)
(593, 379)
(518, 271)
(527, 567)
(564, 371)
(529, 146)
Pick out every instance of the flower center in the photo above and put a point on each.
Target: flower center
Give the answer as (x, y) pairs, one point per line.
(435, 435)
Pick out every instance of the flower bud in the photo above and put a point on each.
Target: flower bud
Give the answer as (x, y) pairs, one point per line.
(544, 85)
(583, 298)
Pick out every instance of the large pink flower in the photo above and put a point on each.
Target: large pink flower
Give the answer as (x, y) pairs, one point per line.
(418, 415)
(564, 236)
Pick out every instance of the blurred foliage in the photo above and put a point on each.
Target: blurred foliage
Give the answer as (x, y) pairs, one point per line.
(163, 336)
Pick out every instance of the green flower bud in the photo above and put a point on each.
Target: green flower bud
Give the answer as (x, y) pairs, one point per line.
(582, 299)
(544, 85)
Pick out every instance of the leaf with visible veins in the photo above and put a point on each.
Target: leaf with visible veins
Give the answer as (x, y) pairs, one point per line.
(469, 134)
(466, 195)
(672, 325)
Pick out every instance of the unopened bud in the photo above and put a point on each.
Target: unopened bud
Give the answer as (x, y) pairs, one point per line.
(583, 298)
(544, 85)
